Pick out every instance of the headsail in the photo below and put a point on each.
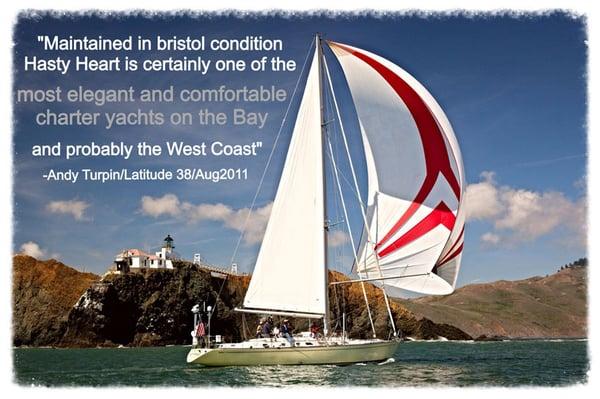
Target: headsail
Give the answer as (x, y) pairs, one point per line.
(289, 274)
(415, 174)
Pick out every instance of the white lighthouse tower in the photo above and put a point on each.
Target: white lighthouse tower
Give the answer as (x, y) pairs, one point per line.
(166, 254)
(167, 247)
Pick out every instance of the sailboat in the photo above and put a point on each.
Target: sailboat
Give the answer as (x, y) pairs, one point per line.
(412, 229)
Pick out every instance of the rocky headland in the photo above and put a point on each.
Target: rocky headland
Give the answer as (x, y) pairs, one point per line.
(55, 305)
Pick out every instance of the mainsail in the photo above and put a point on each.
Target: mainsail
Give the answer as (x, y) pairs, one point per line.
(414, 219)
(289, 275)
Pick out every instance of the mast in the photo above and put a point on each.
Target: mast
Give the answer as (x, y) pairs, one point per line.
(319, 51)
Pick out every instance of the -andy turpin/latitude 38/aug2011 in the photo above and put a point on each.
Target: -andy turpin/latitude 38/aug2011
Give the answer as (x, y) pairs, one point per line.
(146, 174)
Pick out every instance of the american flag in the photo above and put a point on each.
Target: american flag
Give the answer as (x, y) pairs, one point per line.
(200, 330)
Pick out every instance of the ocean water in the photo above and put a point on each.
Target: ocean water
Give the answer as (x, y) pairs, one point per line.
(507, 363)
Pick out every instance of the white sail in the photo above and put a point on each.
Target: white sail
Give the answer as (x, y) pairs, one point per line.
(416, 180)
(289, 274)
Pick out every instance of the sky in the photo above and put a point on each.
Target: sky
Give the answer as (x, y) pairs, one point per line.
(514, 89)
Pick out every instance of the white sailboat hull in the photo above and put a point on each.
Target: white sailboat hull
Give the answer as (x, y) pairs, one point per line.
(336, 353)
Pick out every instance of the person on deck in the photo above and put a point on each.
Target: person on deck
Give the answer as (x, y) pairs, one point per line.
(201, 333)
(314, 330)
(266, 328)
(286, 332)
(259, 328)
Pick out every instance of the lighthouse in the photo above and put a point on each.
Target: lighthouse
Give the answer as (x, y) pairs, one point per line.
(136, 259)
(166, 252)
(168, 242)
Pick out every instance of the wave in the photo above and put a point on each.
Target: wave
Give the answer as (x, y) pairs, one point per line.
(387, 361)
(563, 340)
(439, 339)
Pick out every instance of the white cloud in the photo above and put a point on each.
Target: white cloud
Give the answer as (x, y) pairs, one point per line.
(482, 200)
(531, 214)
(520, 215)
(167, 204)
(75, 208)
(490, 238)
(33, 249)
(207, 211)
(253, 225)
(256, 225)
(337, 238)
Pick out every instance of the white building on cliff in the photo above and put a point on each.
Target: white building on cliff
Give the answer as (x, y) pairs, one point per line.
(136, 259)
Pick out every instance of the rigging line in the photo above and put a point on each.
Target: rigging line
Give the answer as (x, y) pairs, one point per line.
(337, 305)
(336, 171)
(264, 173)
(345, 180)
(336, 198)
(362, 209)
(244, 327)
(269, 159)
(338, 251)
(337, 180)
(349, 185)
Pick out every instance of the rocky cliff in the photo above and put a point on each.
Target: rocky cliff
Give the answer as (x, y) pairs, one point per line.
(43, 294)
(551, 306)
(153, 308)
